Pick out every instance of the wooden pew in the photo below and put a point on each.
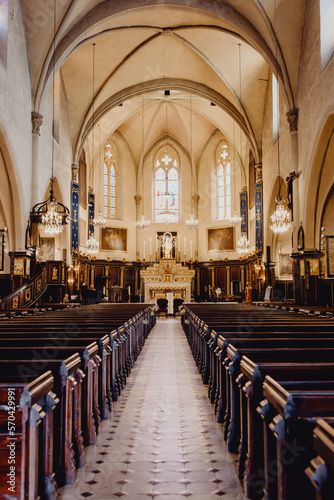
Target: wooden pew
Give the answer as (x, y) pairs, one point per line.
(321, 469)
(26, 417)
(289, 414)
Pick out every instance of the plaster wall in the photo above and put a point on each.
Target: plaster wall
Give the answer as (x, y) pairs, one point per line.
(315, 103)
(15, 128)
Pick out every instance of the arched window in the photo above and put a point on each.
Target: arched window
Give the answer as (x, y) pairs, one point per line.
(109, 181)
(224, 182)
(166, 188)
(326, 31)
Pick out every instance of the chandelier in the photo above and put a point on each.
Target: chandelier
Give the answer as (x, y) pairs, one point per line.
(235, 220)
(142, 224)
(52, 221)
(92, 244)
(243, 245)
(166, 216)
(192, 223)
(100, 221)
(280, 219)
(50, 214)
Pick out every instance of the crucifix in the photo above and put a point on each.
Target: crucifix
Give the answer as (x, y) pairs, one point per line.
(289, 189)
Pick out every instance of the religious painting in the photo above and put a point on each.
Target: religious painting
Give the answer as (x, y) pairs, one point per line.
(286, 264)
(330, 255)
(220, 239)
(314, 267)
(19, 266)
(114, 239)
(47, 249)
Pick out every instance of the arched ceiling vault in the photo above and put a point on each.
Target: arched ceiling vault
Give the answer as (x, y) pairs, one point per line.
(144, 47)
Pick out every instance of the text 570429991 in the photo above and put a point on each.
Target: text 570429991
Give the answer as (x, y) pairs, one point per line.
(11, 445)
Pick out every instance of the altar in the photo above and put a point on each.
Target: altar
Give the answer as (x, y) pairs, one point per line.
(167, 276)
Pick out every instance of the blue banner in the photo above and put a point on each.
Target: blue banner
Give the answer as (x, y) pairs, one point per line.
(244, 212)
(75, 216)
(91, 213)
(259, 215)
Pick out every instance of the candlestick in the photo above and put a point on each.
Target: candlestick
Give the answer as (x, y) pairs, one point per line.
(150, 248)
(191, 250)
(144, 250)
(156, 243)
(185, 248)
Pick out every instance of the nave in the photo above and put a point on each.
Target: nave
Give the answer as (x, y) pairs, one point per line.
(162, 440)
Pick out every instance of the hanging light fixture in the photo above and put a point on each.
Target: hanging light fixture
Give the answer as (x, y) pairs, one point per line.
(243, 245)
(142, 224)
(166, 216)
(100, 221)
(191, 223)
(280, 219)
(92, 245)
(51, 215)
(235, 220)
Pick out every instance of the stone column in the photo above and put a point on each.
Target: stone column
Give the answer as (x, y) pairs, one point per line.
(292, 117)
(138, 203)
(37, 121)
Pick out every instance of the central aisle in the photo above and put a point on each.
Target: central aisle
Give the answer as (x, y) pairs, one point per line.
(162, 440)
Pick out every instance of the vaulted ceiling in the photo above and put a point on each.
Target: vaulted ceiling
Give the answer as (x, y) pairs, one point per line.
(144, 47)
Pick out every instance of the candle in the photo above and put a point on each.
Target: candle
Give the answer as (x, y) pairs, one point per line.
(156, 243)
(185, 247)
(179, 237)
(144, 250)
(191, 249)
(150, 248)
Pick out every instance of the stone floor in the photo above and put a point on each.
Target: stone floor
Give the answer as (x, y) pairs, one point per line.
(162, 440)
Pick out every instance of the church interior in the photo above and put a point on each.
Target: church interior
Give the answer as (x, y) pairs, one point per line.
(169, 164)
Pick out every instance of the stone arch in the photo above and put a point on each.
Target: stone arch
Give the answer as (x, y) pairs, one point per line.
(320, 177)
(15, 220)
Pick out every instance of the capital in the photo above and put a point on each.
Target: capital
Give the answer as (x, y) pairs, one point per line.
(292, 117)
(75, 173)
(258, 169)
(138, 199)
(195, 199)
(37, 121)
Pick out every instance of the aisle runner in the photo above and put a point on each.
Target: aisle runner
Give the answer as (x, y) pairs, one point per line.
(163, 441)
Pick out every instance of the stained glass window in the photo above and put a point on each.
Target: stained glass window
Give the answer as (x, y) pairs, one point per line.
(166, 187)
(109, 172)
(224, 182)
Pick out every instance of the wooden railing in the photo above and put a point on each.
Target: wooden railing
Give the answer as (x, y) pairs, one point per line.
(53, 273)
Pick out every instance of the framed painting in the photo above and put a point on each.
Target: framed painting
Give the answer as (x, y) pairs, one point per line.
(285, 264)
(220, 239)
(114, 239)
(330, 255)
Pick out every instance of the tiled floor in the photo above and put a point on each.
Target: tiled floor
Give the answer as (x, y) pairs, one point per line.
(162, 440)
